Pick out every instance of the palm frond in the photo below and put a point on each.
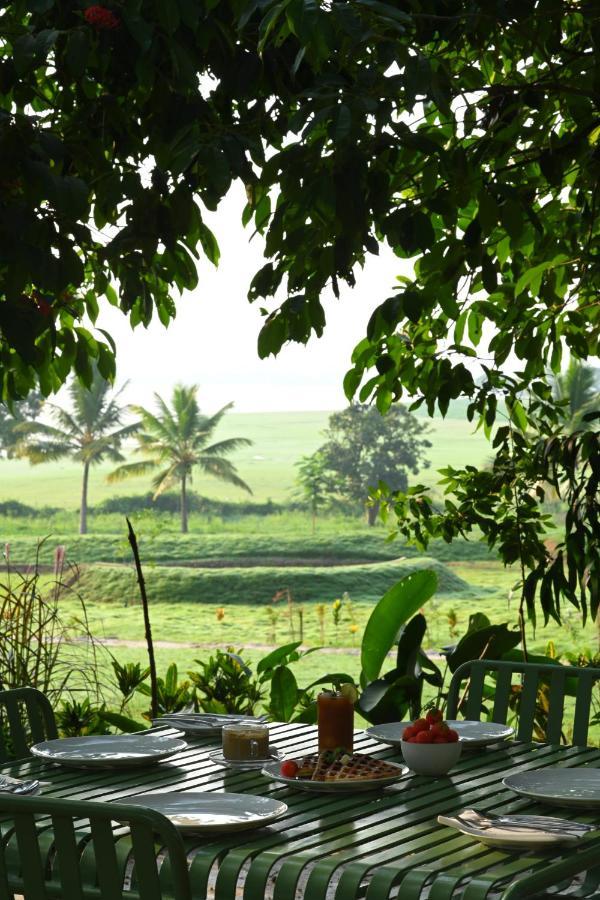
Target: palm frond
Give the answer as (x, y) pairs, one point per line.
(229, 445)
(213, 421)
(164, 480)
(223, 470)
(46, 451)
(130, 470)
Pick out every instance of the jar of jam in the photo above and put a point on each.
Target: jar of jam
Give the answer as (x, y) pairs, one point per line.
(335, 718)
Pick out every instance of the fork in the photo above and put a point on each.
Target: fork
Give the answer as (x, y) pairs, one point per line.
(536, 823)
(18, 787)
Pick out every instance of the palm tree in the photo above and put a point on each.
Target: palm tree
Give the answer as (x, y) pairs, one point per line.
(90, 433)
(579, 385)
(176, 440)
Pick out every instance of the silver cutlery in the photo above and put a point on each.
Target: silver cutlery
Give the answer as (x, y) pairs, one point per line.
(209, 719)
(548, 824)
(18, 787)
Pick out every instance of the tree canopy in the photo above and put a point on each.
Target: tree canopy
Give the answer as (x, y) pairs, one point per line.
(466, 135)
(363, 448)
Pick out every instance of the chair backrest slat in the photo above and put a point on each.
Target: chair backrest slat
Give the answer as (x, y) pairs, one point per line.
(557, 705)
(475, 698)
(583, 703)
(556, 681)
(32, 867)
(146, 874)
(67, 857)
(28, 718)
(502, 696)
(18, 739)
(527, 705)
(110, 880)
(53, 857)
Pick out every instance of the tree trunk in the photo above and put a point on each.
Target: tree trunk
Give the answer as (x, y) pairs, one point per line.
(84, 499)
(372, 513)
(184, 508)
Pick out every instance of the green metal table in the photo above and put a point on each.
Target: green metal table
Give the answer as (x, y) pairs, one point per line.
(372, 845)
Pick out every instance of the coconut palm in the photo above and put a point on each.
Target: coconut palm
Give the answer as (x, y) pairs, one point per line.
(579, 386)
(175, 440)
(90, 433)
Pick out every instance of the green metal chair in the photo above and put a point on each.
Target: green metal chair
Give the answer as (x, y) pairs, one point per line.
(75, 850)
(26, 718)
(467, 695)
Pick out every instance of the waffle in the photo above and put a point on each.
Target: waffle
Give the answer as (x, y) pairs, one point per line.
(345, 767)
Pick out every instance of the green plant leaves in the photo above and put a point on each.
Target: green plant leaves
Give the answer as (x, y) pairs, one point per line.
(489, 642)
(284, 694)
(395, 608)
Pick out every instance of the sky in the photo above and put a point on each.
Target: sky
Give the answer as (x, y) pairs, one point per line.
(212, 341)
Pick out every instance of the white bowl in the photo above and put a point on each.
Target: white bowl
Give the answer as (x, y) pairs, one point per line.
(431, 759)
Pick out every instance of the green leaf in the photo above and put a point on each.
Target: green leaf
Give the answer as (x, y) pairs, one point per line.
(335, 678)
(395, 608)
(209, 244)
(123, 723)
(76, 55)
(284, 694)
(343, 122)
(276, 657)
(518, 414)
(490, 642)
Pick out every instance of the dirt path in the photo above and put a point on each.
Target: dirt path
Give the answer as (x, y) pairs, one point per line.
(214, 645)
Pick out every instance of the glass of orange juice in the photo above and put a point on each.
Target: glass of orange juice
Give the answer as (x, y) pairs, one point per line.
(335, 718)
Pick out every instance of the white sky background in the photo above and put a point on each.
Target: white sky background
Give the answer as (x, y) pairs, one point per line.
(212, 341)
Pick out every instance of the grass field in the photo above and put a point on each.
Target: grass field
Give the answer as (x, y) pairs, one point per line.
(258, 584)
(280, 439)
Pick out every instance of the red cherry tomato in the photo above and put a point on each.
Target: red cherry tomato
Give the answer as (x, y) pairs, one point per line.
(434, 716)
(420, 725)
(440, 729)
(289, 768)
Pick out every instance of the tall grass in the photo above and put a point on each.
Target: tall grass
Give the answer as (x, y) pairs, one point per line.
(37, 639)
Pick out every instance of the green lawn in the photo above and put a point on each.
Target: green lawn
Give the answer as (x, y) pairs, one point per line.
(268, 466)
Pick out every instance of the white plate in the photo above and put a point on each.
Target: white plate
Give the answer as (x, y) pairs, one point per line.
(471, 733)
(578, 787)
(272, 770)
(202, 812)
(200, 726)
(109, 751)
(509, 839)
(243, 764)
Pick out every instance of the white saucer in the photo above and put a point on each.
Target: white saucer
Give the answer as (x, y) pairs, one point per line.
(244, 764)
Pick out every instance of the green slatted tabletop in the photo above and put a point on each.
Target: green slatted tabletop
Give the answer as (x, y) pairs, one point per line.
(372, 845)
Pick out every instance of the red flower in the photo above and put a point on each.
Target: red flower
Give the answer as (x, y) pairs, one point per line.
(101, 18)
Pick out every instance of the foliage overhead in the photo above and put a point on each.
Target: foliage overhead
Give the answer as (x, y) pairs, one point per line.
(464, 135)
(177, 438)
(362, 449)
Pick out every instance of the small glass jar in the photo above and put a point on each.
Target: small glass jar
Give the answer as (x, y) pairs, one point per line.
(335, 717)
